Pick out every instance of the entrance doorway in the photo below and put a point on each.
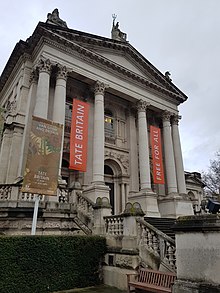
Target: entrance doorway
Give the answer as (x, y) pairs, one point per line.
(109, 181)
(111, 195)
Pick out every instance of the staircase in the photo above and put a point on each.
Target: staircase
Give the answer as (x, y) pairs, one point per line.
(162, 224)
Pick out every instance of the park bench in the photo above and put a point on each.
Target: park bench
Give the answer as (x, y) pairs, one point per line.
(151, 281)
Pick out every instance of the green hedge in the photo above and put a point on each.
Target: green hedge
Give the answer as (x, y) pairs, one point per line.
(38, 264)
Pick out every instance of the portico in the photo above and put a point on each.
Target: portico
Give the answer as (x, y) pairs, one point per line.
(125, 98)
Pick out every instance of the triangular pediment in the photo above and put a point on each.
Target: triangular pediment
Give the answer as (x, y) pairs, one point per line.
(126, 62)
(117, 55)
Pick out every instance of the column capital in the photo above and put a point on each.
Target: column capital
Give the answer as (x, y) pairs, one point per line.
(142, 105)
(175, 119)
(44, 65)
(62, 72)
(100, 87)
(34, 76)
(166, 115)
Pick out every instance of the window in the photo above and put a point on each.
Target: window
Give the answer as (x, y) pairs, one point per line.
(109, 124)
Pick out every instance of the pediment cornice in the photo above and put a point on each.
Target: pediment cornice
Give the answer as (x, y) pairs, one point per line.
(77, 41)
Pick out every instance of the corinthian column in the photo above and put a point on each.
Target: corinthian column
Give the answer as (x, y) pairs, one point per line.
(28, 118)
(144, 162)
(181, 183)
(60, 95)
(59, 103)
(169, 154)
(42, 98)
(99, 134)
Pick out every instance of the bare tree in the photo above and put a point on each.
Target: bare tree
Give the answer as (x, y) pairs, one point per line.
(212, 177)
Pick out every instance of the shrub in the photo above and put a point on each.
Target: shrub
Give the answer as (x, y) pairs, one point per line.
(49, 263)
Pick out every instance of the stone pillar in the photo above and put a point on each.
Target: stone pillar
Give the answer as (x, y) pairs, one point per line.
(145, 197)
(181, 183)
(99, 134)
(144, 161)
(123, 197)
(42, 99)
(169, 154)
(197, 254)
(4, 155)
(59, 103)
(98, 189)
(133, 156)
(28, 119)
(15, 152)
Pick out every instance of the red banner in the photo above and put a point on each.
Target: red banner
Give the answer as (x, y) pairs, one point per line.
(158, 173)
(79, 136)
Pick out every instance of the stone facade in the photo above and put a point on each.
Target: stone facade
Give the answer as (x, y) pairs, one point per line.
(197, 254)
(126, 94)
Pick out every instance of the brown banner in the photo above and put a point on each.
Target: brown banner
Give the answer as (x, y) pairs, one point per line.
(79, 136)
(158, 173)
(41, 173)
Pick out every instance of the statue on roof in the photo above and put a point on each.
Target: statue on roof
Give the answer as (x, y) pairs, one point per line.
(167, 76)
(54, 18)
(117, 34)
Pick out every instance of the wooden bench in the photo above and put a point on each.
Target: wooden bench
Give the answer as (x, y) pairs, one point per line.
(152, 281)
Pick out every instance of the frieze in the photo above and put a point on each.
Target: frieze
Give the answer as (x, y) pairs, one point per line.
(123, 159)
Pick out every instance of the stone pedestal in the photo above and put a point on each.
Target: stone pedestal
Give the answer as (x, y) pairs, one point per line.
(148, 202)
(102, 209)
(174, 206)
(95, 191)
(198, 254)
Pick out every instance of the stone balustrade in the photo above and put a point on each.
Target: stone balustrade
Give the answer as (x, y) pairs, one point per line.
(85, 206)
(25, 196)
(63, 194)
(5, 191)
(155, 241)
(114, 225)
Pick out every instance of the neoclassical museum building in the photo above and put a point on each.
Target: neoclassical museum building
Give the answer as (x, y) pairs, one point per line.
(116, 114)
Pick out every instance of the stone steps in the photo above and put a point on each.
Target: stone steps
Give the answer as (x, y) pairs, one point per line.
(162, 224)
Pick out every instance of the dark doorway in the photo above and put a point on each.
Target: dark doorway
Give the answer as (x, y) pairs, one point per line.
(109, 181)
(111, 195)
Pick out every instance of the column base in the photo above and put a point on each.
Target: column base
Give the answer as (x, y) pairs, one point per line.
(96, 190)
(148, 201)
(174, 205)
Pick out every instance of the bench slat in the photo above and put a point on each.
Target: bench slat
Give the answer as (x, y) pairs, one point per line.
(153, 281)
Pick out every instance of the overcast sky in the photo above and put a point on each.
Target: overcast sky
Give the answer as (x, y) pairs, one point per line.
(181, 36)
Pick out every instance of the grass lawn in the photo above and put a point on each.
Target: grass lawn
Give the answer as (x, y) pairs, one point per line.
(98, 289)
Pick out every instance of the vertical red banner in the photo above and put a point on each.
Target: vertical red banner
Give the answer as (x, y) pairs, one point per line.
(155, 137)
(79, 136)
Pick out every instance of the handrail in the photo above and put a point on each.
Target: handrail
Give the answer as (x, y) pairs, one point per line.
(158, 232)
(160, 244)
(89, 201)
(85, 206)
